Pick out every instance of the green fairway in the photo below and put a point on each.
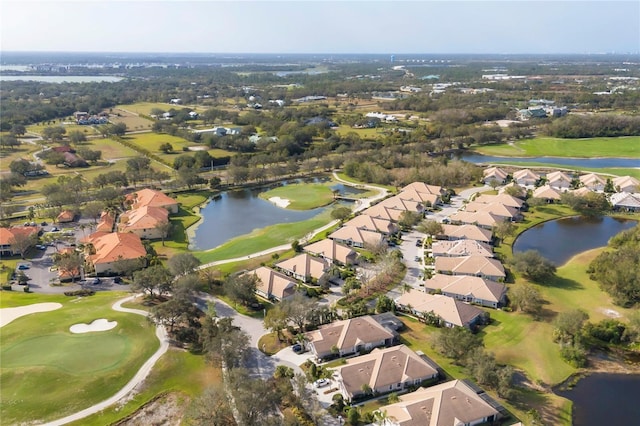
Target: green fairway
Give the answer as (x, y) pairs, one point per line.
(628, 147)
(302, 196)
(47, 372)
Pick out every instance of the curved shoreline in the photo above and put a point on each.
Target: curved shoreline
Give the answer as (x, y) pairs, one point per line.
(138, 378)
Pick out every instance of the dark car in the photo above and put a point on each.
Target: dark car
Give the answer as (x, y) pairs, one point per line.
(95, 281)
(44, 224)
(297, 348)
(117, 280)
(23, 266)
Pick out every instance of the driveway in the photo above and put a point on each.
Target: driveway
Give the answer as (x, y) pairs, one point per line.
(410, 252)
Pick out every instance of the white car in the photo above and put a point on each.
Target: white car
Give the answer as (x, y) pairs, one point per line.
(320, 383)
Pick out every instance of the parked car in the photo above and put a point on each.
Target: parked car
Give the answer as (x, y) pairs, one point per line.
(95, 281)
(417, 259)
(55, 229)
(320, 383)
(297, 348)
(44, 224)
(41, 247)
(23, 266)
(117, 280)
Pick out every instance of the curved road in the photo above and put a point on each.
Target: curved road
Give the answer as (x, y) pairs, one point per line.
(142, 373)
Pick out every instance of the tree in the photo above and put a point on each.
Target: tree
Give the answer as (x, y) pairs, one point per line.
(526, 298)
(153, 278)
(409, 219)
(182, 264)
(456, 342)
(76, 137)
(164, 228)
(54, 133)
(430, 227)
(276, 320)
(166, 147)
(93, 210)
(90, 154)
(254, 399)
(296, 246)
(384, 304)
(69, 264)
(224, 343)
(504, 229)
(340, 213)
(18, 130)
(211, 408)
(592, 204)
(21, 242)
(353, 416)
(241, 288)
(126, 267)
(170, 312)
(533, 265)
(9, 141)
(568, 325)
(299, 308)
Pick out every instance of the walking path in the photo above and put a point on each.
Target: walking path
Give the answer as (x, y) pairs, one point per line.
(362, 205)
(142, 373)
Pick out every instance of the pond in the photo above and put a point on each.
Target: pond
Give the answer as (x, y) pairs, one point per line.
(237, 213)
(560, 240)
(571, 162)
(605, 399)
(62, 78)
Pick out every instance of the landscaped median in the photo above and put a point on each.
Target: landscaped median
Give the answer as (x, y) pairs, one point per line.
(48, 372)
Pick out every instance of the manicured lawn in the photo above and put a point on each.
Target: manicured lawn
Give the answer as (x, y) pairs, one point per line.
(22, 151)
(356, 182)
(152, 142)
(554, 147)
(262, 239)
(48, 372)
(363, 133)
(111, 149)
(189, 200)
(302, 196)
(177, 371)
(146, 107)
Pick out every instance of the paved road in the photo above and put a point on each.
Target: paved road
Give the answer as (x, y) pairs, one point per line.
(142, 373)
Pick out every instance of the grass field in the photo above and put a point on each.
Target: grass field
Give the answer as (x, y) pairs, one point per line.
(146, 107)
(302, 196)
(133, 122)
(628, 147)
(262, 239)
(48, 372)
(177, 371)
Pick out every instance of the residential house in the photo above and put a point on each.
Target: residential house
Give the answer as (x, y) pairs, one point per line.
(495, 209)
(385, 370)
(582, 191)
(304, 267)
(504, 199)
(461, 248)
(494, 174)
(72, 160)
(152, 198)
(398, 203)
(625, 201)
(477, 266)
(593, 182)
(333, 251)
(482, 219)
(66, 216)
(426, 199)
(464, 232)
(273, 285)
(626, 184)
(382, 212)
(348, 337)
(424, 188)
(356, 237)
(452, 312)
(519, 191)
(383, 226)
(559, 180)
(106, 249)
(452, 403)
(547, 193)
(146, 222)
(17, 240)
(469, 289)
(525, 177)
(106, 222)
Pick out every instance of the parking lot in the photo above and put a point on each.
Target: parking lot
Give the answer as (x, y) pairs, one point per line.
(413, 255)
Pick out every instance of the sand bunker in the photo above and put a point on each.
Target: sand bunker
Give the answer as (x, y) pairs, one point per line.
(280, 202)
(9, 314)
(97, 325)
(611, 313)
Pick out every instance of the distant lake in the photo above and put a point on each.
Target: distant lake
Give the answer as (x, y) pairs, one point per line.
(63, 79)
(605, 399)
(560, 240)
(597, 163)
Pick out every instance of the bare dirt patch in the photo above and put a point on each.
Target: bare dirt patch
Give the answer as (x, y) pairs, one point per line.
(166, 409)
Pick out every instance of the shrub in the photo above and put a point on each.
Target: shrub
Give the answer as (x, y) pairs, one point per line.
(83, 292)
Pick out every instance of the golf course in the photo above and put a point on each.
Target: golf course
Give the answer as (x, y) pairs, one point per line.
(49, 372)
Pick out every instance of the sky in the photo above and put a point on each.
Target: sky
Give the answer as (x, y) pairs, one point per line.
(384, 26)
